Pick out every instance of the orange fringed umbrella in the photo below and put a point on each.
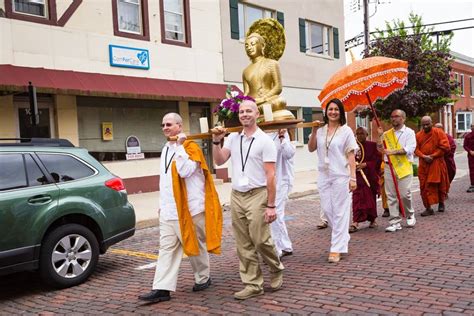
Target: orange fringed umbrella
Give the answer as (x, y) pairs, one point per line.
(365, 81)
(370, 78)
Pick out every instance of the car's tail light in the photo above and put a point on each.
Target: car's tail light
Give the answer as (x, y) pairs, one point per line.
(116, 184)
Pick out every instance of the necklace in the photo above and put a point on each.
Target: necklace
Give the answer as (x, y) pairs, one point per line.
(330, 141)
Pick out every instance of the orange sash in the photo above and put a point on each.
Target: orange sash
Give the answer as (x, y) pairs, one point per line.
(213, 209)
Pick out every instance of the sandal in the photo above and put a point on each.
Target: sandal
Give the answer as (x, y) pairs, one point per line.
(334, 257)
(373, 225)
(322, 225)
(353, 229)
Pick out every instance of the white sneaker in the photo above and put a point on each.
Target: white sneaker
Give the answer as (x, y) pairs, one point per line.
(411, 220)
(393, 228)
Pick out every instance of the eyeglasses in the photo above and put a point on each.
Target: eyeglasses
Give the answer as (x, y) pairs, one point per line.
(167, 125)
(395, 116)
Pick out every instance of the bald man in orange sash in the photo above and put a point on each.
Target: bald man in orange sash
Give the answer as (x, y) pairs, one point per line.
(190, 213)
(431, 145)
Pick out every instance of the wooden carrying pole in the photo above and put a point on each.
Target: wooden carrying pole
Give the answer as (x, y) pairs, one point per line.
(276, 125)
(392, 172)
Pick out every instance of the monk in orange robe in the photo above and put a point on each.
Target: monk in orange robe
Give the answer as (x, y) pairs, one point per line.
(431, 145)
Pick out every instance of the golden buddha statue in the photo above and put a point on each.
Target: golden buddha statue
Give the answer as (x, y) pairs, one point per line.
(262, 79)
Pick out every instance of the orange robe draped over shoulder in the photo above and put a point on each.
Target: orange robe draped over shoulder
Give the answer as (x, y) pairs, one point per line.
(434, 180)
(213, 209)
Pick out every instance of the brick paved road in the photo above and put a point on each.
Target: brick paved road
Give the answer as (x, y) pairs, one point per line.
(428, 269)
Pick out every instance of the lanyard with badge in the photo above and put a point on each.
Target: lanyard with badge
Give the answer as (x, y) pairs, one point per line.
(244, 180)
(168, 163)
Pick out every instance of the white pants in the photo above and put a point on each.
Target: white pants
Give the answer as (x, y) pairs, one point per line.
(322, 217)
(278, 227)
(336, 202)
(171, 253)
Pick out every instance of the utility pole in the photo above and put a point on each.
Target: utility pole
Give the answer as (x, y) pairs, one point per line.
(366, 27)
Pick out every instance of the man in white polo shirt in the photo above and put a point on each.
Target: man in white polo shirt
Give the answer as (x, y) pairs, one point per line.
(253, 156)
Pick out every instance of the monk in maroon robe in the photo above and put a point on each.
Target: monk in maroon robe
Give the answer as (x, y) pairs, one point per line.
(431, 145)
(469, 147)
(449, 156)
(364, 198)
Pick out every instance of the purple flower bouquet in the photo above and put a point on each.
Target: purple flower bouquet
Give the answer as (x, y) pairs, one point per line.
(228, 109)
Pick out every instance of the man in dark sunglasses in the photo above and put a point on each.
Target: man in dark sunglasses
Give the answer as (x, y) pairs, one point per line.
(190, 213)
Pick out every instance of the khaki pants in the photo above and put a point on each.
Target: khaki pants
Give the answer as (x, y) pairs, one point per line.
(171, 253)
(252, 236)
(404, 187)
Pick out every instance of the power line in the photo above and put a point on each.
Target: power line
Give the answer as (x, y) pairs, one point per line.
(444, 32)
(431, 24)
(355, 38)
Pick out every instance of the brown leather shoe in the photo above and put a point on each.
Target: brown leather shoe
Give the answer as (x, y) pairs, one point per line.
(247, 292)
(276, 280)
(386, 212)
(334, 257)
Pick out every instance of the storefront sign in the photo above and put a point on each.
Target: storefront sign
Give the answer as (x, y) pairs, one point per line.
(133, 148)
(107, 131)
(129, 57)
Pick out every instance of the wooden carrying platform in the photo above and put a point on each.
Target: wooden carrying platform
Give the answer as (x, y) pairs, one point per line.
(266, 126)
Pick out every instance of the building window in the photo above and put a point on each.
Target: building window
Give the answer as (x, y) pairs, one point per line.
(131, 18)
(249, 14)
(463, 122)
(38, 11)
(31, 7)
(318, 38)
(461, 84)
(361, 121)
(175, 22)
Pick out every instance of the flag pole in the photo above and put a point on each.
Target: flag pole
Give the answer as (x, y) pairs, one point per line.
(392, 172)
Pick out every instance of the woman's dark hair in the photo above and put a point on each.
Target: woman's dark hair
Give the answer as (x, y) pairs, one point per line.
(342, 113)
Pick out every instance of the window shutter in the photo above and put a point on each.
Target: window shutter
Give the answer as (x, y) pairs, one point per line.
(335, 33)
(281, 18)
(234, 19)
(308, 117)
(302, 26)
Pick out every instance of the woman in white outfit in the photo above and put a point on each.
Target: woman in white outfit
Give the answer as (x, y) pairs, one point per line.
(335, 144)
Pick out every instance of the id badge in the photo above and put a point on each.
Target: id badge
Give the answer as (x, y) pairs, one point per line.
(326, 160)
(243, 181)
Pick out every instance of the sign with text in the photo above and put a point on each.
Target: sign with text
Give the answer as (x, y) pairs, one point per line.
(129, 57)
(133, 148)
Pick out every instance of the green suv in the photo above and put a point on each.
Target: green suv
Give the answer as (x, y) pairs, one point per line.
(59, 208)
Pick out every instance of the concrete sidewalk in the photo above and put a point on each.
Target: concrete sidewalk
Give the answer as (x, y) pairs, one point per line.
(147, 204)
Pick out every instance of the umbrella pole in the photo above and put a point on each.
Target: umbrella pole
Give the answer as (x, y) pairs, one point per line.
(392, 172)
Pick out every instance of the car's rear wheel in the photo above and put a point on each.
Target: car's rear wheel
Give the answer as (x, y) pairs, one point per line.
(69, 255)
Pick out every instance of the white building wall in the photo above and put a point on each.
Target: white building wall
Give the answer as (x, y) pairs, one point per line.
(82, 44)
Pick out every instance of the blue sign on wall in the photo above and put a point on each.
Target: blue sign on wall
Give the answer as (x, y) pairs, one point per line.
(129, 57)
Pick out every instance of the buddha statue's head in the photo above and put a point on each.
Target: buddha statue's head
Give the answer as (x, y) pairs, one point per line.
(255, 45)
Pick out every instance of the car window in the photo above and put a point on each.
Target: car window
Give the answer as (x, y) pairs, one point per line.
(12, 172)
(34, 174)
(65, 168)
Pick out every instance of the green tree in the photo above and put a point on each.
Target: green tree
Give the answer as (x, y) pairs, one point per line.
(429, 84)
